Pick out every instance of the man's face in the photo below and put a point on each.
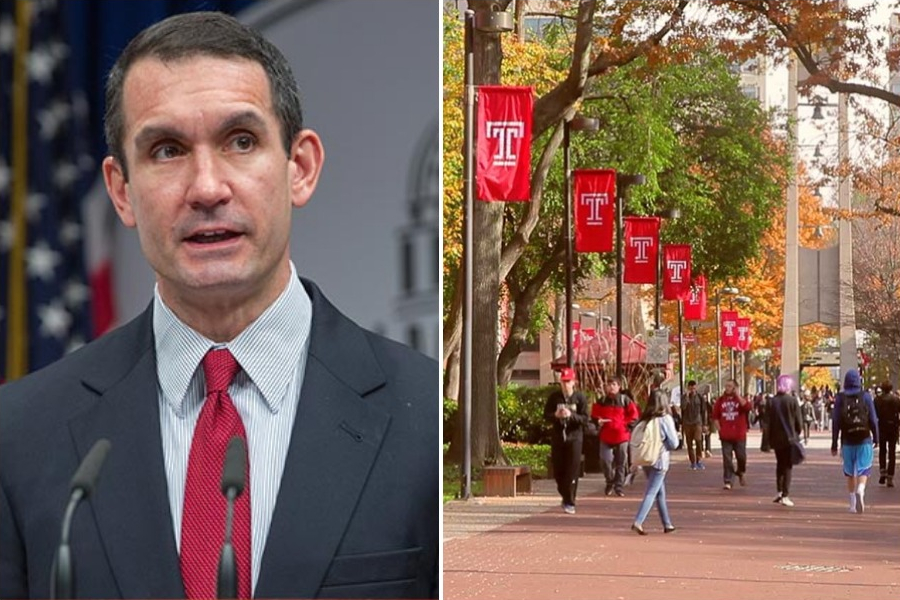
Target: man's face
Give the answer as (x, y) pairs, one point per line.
(568, 387)
(612, 388)
(729, 388)
(692, 389)
(210, 186)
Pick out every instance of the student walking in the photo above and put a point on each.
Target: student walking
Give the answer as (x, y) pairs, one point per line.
(566, 409)
(784, 422)
(855, 418)
(730, 415)
(657, 414)
(887, 408)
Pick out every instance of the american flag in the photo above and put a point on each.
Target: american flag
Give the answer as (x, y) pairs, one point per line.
(45, 299)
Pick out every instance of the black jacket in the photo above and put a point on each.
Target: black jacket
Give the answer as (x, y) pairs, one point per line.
(572, 425)
(783, 410)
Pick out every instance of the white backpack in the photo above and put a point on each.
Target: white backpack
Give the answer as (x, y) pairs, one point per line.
(646, 442)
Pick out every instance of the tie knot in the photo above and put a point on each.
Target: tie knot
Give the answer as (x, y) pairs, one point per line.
(219, 368)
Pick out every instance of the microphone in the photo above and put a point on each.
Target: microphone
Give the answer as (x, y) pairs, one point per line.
(62, 579)
(232, 487)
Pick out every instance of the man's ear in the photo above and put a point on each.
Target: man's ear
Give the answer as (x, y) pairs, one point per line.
(117, 188)
(307, 156)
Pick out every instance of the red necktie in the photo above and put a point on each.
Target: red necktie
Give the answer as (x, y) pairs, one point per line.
(203, 520)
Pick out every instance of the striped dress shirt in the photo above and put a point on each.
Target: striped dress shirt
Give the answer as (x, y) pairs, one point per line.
(272, 353)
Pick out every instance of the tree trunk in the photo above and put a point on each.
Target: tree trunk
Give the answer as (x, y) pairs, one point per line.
(523, 307)
(559, 325)
(487, 228)
(451, 376)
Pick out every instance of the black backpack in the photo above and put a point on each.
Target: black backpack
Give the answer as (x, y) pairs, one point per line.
(854, 419)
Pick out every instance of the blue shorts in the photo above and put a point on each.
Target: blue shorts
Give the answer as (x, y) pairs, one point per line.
(857, 458)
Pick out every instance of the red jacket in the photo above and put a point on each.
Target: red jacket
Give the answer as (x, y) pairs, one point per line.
(730, 412)
(621, 412)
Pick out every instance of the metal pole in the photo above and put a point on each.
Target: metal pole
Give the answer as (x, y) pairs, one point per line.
(469, 167)
(718, 346)
(620, 274)
(680, 349)
(658, 290)
(568, 226)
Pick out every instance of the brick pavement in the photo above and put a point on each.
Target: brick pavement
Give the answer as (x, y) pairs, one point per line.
(732, 545)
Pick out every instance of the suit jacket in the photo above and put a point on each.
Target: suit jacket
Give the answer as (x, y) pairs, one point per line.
(357, 513)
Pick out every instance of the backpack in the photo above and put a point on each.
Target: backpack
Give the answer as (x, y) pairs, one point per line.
(646, 442)
(854, 419)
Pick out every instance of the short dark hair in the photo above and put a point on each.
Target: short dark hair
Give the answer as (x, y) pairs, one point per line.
(886, 387)
(614, 379)
(691, 382)
(208, 33)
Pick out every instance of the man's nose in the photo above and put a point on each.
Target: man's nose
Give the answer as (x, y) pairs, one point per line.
(209, 184)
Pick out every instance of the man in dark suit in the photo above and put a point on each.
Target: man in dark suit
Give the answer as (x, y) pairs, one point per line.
(208, 157)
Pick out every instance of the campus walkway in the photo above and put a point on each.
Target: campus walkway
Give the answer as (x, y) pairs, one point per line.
(732, 545)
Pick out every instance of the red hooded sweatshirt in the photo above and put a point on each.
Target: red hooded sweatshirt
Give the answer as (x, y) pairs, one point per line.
(731, 413)
(621, 412)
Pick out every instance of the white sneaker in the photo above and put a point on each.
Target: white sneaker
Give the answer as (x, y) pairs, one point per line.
(569, 509)
(860, 503)
(787, 501)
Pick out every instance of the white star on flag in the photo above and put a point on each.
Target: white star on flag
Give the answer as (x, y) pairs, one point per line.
(5, 175)
(7, 36)
(55, 320)
(65, 174)
(41, 64)
(52, 118)
(35, 203)
(70, 233)
(42, 262)
(76, 293)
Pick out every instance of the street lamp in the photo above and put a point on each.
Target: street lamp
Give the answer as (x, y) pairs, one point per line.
(623, 182)
(487, 22)
(740, 301)
(576, 123)
(728, 291)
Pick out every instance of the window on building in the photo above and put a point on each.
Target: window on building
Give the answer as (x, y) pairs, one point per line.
(751, 91)
(409, 266)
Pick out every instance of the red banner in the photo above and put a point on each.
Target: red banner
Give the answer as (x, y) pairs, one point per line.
(503, 171)
(576, 335)
(595, 209)
(729, 328)
(676, 271)
(641, 249)
(743, 334)
(695, 305)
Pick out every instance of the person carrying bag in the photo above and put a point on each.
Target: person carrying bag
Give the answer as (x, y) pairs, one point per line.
(785, 424)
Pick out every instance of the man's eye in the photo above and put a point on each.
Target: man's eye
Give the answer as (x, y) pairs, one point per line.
(166, 152)
(243, 143)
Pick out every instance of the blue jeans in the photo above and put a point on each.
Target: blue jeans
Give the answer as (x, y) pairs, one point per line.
(615, 463)
(656, 491)
(739, 449)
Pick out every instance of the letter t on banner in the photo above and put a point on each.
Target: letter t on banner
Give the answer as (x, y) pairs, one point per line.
(676, 271)
(729, 328)
(743, 334)
(504, 143)
(595, 209)
(641, 249)
(695, 305)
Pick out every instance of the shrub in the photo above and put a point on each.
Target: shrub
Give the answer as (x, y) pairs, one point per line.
(450, 408)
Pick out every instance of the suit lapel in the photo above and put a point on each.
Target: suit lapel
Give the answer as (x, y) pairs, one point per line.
(132, 509)
(336, 438)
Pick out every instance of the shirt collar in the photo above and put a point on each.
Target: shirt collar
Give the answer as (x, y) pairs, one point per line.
(268, 350)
